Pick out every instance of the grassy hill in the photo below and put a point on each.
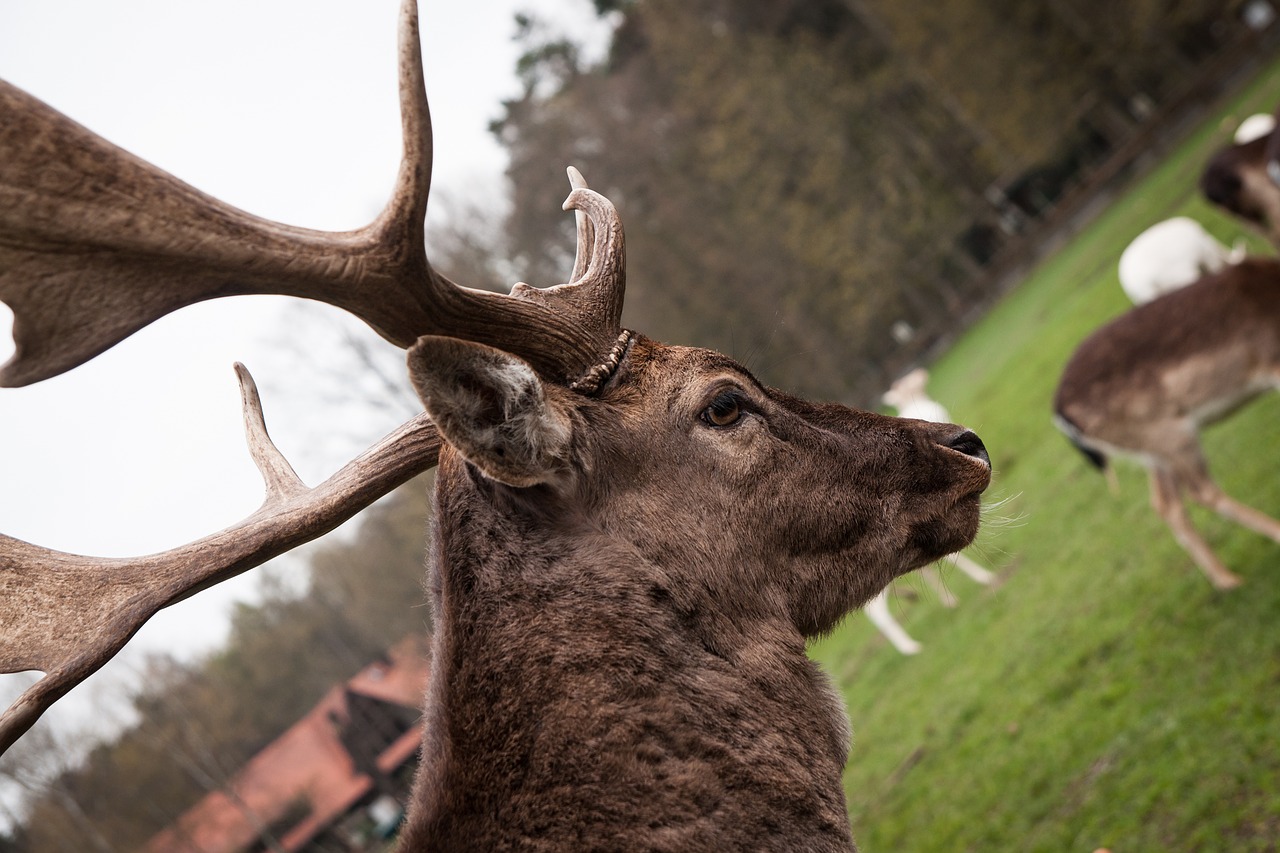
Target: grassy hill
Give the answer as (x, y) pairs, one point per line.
(1104, 694)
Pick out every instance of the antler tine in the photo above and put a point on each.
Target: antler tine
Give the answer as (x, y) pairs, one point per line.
(277, 474)
(604, 281)
(597, 286)
(66, 615)
(586, 239)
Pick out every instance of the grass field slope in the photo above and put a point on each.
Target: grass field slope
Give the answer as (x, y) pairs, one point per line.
(1104, 695)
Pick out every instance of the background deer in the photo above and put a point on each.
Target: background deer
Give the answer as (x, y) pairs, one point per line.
(1171, 254)
(909, 397)
(633, 540)
(1146, 383)
(1242, 177)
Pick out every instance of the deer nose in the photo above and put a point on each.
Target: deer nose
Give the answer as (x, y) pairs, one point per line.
(968, 443)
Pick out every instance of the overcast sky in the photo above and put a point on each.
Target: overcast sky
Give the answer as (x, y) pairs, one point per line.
(287, 109)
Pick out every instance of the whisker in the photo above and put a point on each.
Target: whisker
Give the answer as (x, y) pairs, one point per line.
(993, 516)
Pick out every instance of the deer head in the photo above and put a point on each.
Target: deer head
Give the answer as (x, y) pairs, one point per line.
(1244, 178)
(633, 540)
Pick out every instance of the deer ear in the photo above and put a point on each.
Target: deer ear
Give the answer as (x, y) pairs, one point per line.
(493, 409)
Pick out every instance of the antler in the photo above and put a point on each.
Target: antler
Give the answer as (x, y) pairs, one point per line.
(66, 615)
(96, 243)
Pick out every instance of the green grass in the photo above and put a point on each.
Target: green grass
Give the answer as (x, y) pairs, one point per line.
(1104, 694)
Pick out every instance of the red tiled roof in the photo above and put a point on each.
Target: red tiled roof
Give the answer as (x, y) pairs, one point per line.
(307, 761)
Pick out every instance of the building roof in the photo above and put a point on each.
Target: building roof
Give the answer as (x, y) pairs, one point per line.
(311, 775)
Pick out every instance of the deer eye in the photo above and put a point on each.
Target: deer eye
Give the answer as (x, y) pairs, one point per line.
(725, 411)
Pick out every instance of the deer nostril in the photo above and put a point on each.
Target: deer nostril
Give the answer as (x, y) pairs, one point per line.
(968, 443)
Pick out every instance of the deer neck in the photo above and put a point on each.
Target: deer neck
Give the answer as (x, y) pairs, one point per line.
(573, 688)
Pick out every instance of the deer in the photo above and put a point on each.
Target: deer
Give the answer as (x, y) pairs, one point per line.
(1146, 383)
(631, 541)
(1170, 254)
(1242, 178)
(909, 396)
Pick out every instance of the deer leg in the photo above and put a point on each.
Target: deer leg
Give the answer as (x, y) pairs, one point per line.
(980, 575)
(1207, 493)
(934, 580)
(878, 612)
(1167, 500)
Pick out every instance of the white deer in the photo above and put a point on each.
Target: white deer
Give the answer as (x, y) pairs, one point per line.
(909, 397)
(1172, 254)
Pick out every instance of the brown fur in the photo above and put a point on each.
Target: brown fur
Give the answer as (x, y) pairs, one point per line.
(1146, 383)
(1236, 180)
(619, 654)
